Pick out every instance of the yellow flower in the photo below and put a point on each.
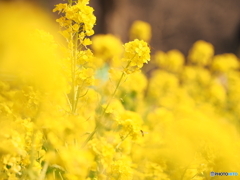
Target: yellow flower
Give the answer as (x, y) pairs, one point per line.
(60, 7)
(201, 53)
(78, 17)
(107, 46)
(217, 93)
(131, 124)
(197, 75)
(73, 159)
(87, 42)
(136, 53)
(225, 63)
(140, 30)
(161, 84)
(172, 60)
(137, 82)
(121, 169)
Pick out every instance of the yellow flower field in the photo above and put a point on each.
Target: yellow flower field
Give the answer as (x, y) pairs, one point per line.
(79, 106)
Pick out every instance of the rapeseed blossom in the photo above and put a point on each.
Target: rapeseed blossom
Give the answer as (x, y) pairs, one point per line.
(224, 62)
(70, 112)
(140, 30)
(136, 53)
(201, 53)
(107, 47)
(78, 18)
(171, 61)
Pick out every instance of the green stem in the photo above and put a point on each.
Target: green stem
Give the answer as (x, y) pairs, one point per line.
(104, 111)
(115, 90)
(74, 58)
(76, 100)
(44, 171)
(72, 71)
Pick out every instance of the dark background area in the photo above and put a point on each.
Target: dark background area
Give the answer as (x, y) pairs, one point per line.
(175, 24)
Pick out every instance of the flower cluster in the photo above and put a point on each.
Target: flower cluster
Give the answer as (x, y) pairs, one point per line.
(140, 30)
(78, 18)
(136, 53)
(70, 112)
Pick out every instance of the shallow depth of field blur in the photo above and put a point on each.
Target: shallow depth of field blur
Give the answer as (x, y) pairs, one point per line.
(77, 105)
